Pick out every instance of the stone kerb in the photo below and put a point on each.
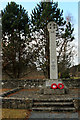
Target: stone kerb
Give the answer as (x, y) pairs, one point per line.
(11, 91)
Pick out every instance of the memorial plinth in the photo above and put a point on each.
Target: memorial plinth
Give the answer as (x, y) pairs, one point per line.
(50, 91)
(47, 90)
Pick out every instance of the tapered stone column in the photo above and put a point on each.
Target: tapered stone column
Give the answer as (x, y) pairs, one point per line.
(53, 56)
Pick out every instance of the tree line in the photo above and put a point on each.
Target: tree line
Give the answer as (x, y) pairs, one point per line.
(25, 40)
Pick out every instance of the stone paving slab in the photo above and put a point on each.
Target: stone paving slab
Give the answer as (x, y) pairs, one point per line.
(35, 95)
(53, 116)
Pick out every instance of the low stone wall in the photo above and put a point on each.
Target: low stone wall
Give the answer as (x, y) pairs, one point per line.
(16, 103)
(73, 83)
(24, 103)
(77, 103)
(22, 83)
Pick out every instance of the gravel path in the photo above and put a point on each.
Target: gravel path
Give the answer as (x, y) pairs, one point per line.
(53, 116)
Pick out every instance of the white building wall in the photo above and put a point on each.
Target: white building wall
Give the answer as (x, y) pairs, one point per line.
(79, 32)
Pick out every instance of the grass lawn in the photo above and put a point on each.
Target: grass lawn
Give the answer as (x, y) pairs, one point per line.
(75, 77)
(15, 113)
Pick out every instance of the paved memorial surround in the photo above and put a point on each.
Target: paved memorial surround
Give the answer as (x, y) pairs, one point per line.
(53, 115)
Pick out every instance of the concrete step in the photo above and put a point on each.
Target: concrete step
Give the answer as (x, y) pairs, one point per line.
(53, 100)
(52, 103)
(53, 109)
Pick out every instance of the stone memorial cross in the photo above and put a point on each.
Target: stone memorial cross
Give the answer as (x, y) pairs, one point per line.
(53, 57)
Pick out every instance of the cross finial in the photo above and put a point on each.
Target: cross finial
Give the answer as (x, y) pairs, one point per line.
(47, 0)
(52, 26)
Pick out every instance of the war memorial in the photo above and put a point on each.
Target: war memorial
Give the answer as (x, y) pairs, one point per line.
(44, 99)
(60, 98)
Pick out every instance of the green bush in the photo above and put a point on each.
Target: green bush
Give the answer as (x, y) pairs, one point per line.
(65, 74)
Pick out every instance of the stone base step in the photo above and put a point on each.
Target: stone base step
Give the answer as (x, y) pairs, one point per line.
(48, 91)
(53, 109)
(53, 100)
(53, 103)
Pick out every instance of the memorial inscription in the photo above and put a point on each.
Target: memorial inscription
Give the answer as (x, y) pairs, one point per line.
(53, 64)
